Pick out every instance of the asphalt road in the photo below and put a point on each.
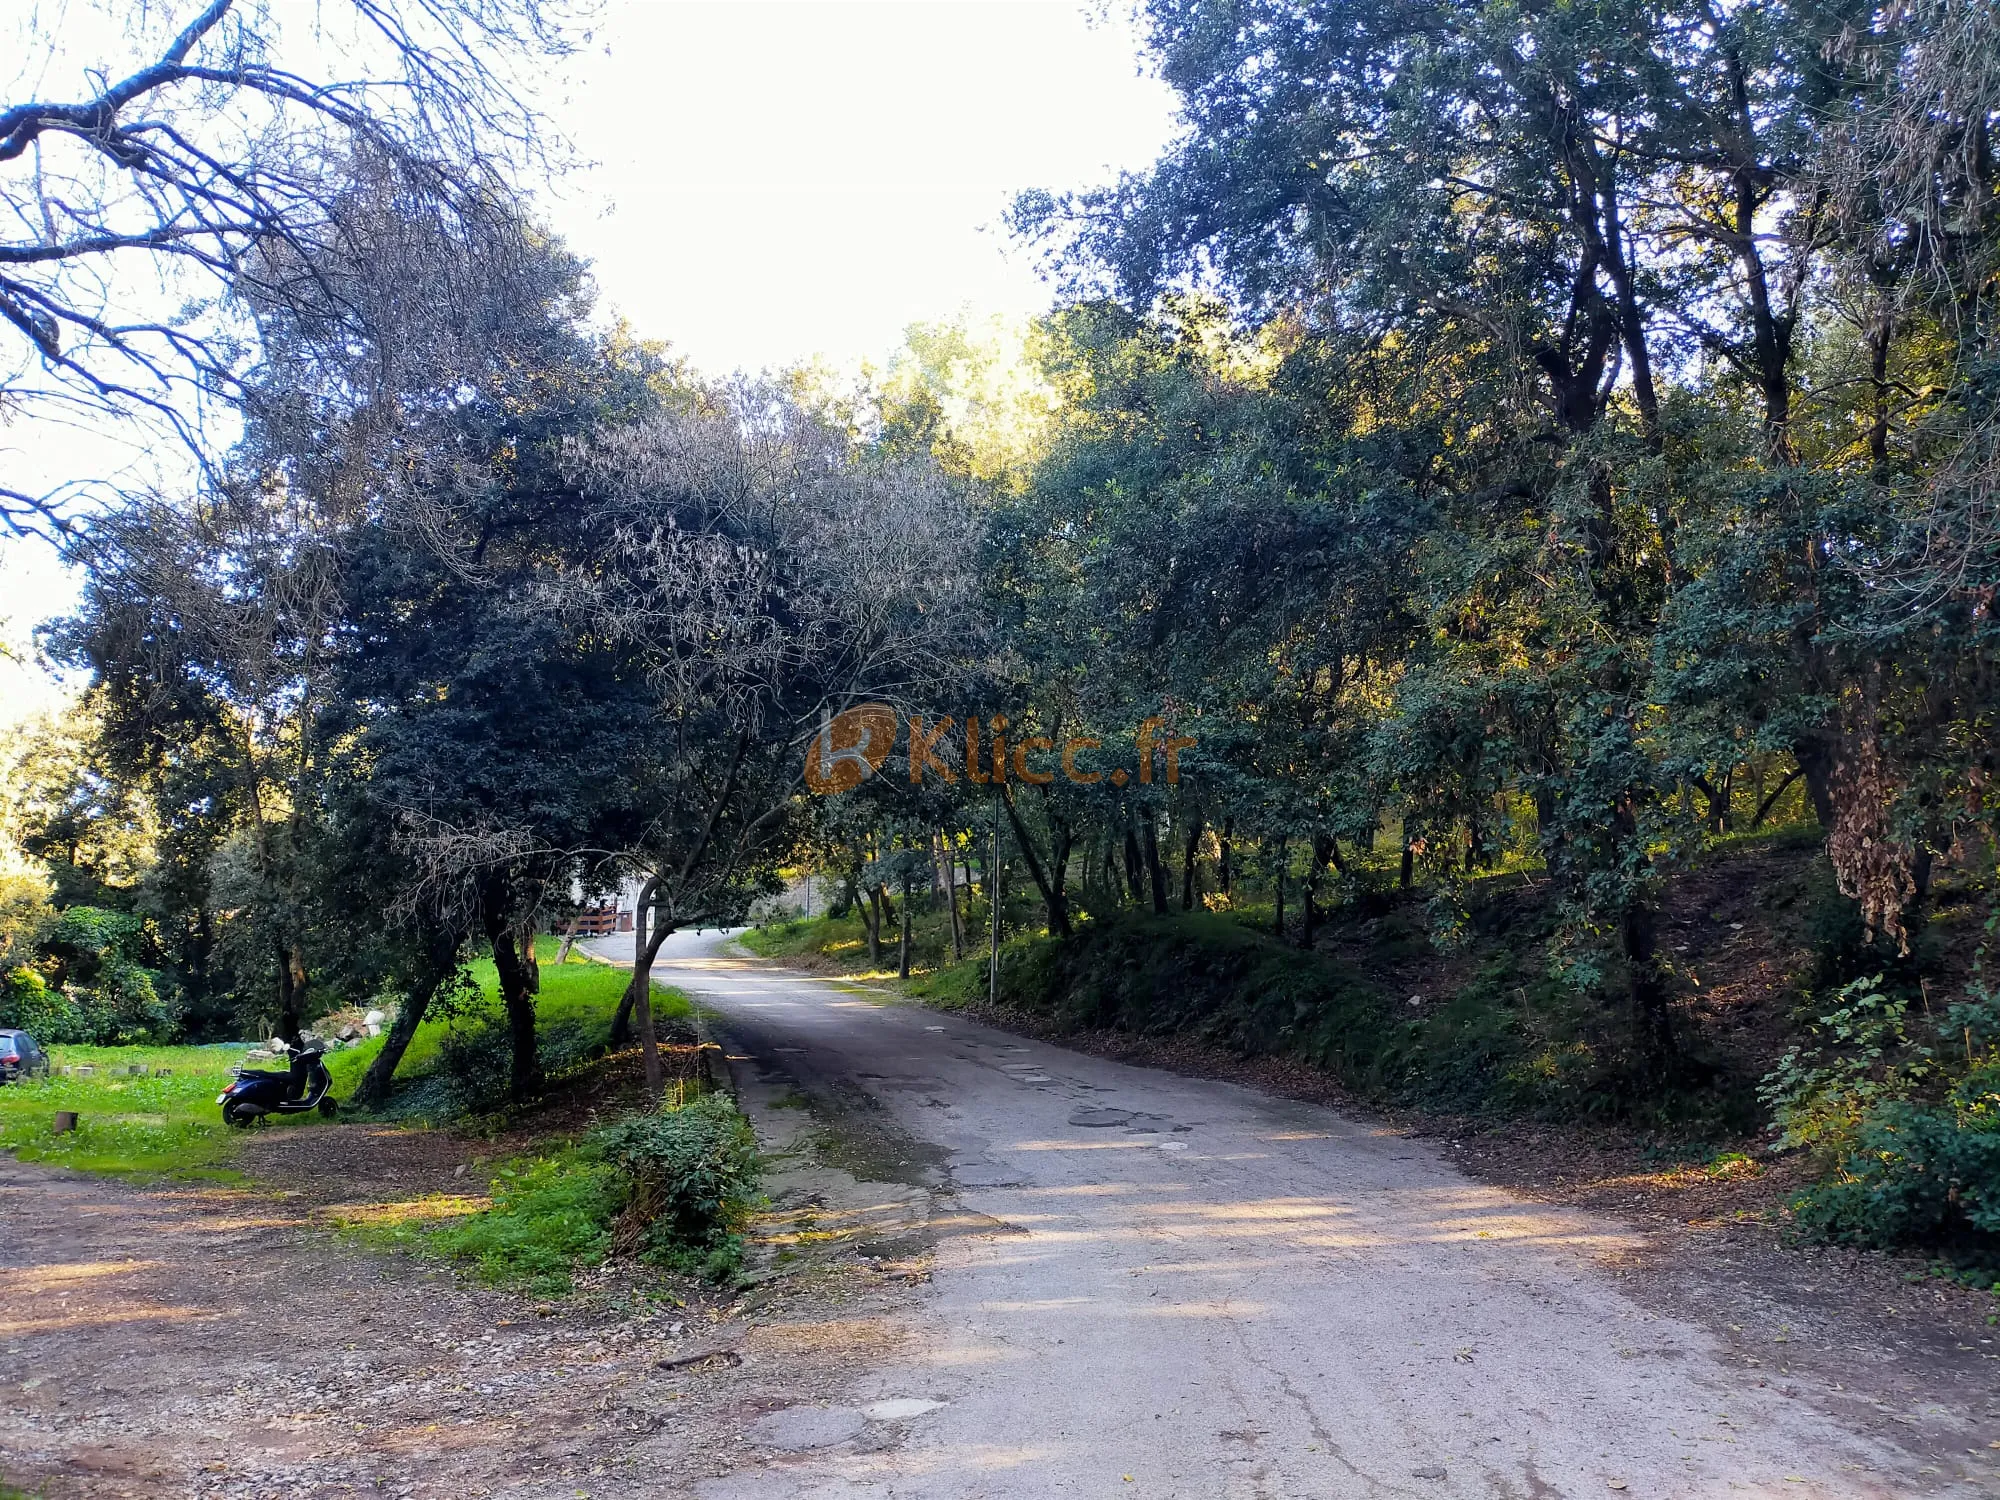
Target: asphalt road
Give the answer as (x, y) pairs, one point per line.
(1155, 1286)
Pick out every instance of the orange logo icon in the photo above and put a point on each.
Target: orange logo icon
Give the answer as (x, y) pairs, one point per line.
(851, 747)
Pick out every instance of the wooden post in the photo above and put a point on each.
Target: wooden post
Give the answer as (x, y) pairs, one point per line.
(65, 1121)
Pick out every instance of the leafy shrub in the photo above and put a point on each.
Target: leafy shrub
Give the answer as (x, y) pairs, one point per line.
(1917, 1176)
(1911, 1152)
(50, 1016)
(677, 1187)
(1863, 1055)
(691, 1178)
(550, 1214)
(473, 1071)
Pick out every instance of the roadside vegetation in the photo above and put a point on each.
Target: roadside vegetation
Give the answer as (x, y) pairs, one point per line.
(673, 1189)
(1799, 1032)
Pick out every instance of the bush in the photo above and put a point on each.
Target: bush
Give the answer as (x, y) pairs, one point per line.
(676, 1188)
(1862, 1055)
(473, 1070)
(1920, 1177)
(1910, 1152)
(50, 1016)
(690, 1176)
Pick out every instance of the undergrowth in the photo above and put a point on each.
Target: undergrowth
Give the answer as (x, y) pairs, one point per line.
(1509, 1041)
(673, 1188)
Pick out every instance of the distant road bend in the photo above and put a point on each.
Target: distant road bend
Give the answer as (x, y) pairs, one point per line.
(1183, 1288)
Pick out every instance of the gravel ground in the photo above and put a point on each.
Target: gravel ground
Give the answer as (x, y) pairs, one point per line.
(223, 1342)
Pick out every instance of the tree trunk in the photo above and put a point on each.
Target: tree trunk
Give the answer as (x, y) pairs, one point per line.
(1278, 916)
(642, 1000)
(373, 1090)
(903, 940)
(951, 894)
(1815, 757)
(1051, 885)
(524, 941)
(642, 917)
(1155, 871)
(1322, 844)
(525, 1076)
(1652, 1022)
(291, 992)
(1225, 864)
(1132, 863)
(1190, 868)
(1718, 799)
(871, 917)
(1409, 868)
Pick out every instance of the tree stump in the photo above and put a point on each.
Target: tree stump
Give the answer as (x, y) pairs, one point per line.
(65, 1121)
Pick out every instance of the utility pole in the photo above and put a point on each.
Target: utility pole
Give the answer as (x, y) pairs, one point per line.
(993, 897)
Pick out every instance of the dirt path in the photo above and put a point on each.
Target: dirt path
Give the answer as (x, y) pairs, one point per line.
(159, 1343)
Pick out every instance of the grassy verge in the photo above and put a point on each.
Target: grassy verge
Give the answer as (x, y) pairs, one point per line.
(840, 944)
(675, 1188)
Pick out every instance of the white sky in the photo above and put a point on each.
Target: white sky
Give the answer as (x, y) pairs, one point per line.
(778, 181)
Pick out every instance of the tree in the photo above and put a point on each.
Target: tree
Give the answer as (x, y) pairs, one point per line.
(763, 572)
(208, 141)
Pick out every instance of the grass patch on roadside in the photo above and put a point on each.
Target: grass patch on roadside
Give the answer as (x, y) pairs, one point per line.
(841, 943)
(842, 939)
(675, 1188)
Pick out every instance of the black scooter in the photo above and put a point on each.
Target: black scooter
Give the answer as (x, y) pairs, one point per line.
(303, 1088)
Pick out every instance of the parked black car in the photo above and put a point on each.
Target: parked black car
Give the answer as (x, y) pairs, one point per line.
(20, 1057)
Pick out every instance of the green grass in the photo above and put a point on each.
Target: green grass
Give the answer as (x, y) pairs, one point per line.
(166, 1127)
(171, 1127)
(573, 1014)
(545, 1217)
(689, 1174)
(842, 942)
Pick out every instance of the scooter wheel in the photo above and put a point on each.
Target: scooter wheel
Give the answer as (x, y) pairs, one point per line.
(242, 1119)
(329, 1107)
